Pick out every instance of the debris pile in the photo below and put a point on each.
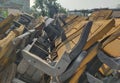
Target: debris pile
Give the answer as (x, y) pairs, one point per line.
(74, 49)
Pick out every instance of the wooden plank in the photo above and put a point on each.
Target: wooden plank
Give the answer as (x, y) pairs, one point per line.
(99, 32)
(8, 74)
(4, 24)
(7, 53)
(4, 43)
(100, 15)
(113, 48)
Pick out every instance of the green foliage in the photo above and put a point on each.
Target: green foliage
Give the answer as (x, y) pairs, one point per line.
(48, 7)
(61, 9)
(4, 13)
(35, 12)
